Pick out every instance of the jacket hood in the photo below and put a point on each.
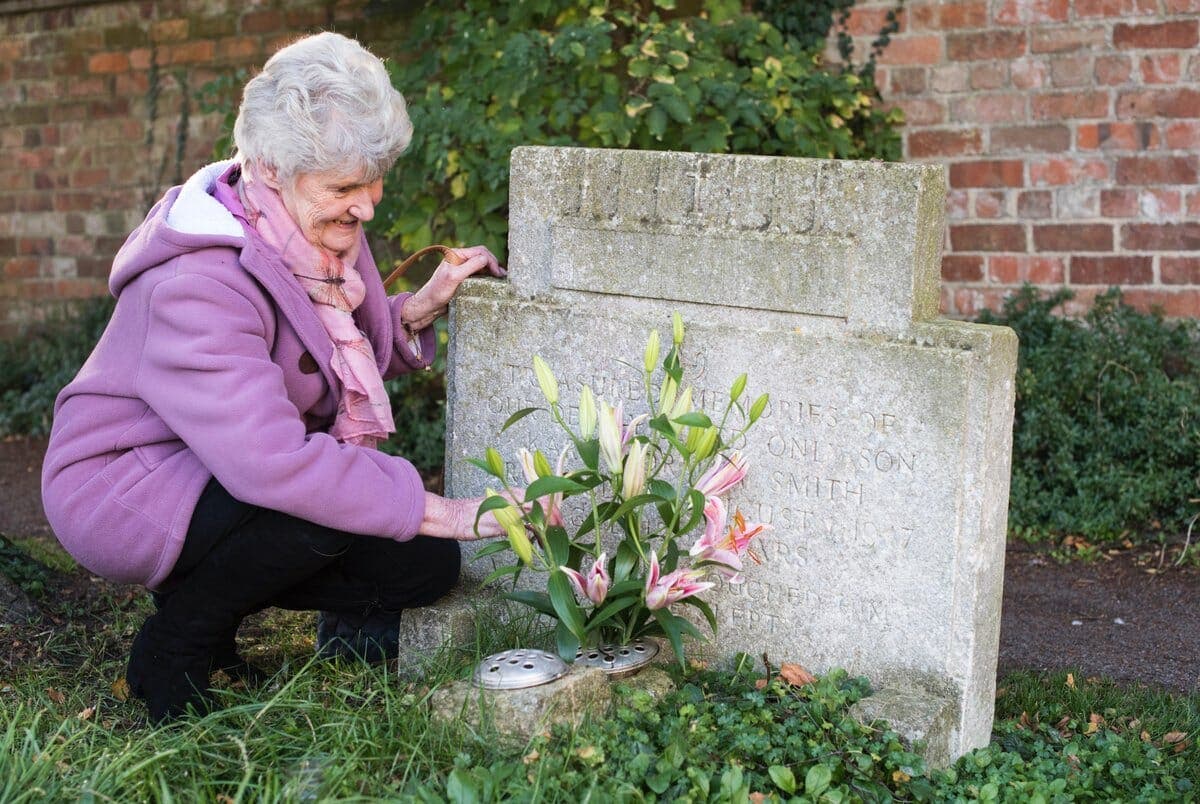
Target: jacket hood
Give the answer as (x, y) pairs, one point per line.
(188, 218)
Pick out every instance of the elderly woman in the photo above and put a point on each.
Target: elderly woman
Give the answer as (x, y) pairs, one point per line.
(219, 444)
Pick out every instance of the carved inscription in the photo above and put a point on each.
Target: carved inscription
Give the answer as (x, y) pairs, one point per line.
(690, 191)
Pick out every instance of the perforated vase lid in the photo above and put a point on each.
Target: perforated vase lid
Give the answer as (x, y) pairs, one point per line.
(518, 668)
(618, 659)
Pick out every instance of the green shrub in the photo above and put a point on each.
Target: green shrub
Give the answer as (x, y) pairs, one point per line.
(35, 366)
(1106, 441)
(491, 76)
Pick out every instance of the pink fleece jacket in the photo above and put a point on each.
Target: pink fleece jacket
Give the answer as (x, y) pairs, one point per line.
(215, 364)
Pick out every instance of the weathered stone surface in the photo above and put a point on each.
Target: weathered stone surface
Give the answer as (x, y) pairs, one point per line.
(520, 714)
(924, 720)
(882, 462)
(653, 679)
(448, 623)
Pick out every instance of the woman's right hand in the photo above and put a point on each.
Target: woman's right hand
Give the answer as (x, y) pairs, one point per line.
(447, 518)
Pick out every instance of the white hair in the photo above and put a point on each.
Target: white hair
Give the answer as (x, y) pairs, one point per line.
(322, 103)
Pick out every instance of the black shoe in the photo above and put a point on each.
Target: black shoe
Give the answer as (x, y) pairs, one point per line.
(371, 638)
(168, 674)
(227, 660)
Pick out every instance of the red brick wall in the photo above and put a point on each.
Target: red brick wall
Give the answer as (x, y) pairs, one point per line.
(97, 117)
(1070, 131)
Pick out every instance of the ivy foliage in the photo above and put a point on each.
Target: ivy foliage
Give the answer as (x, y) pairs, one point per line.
(719, 737)
(491, 76)
(1106, 440)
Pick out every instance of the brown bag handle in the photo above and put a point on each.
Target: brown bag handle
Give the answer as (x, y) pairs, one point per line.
(448, 254)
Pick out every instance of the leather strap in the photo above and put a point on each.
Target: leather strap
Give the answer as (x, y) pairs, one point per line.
(448, 254)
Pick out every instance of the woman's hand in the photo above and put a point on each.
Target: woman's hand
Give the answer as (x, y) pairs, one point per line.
(455, 519)
(427, 304)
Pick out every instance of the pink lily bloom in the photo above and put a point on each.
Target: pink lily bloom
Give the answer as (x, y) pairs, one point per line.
(662, 592)
(724, 474)
(713, 547)
(595, 586)
(725, 548)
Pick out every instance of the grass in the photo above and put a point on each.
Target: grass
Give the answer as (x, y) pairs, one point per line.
(350, 732)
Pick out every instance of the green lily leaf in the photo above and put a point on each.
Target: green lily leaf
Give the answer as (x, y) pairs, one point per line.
(558, 545)
(485, 467)
(567, 643)
(693, 419)
(563, 599)
(675, 627)
(502, 572)
(705, 609)
(536, 600)
(611, 609)
(553, 484)
(632, 503)
(516, 417)
(498, 546)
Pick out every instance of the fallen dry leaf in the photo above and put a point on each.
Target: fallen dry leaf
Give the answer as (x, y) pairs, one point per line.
(224, 799)
(1001, 692)
(1176, 738)
(1094, 723)
(120, 690)
(1145, 736)
(758, 798)
(1071, 680)
(55, 695)
(87, 713)
(531, 757)
(760, 684)
(795, 674)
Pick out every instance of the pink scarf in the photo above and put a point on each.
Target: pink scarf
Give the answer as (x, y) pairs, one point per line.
(364, 413)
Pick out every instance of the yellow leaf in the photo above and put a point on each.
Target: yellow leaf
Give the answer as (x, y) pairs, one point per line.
(900, 776)
(120, 689)
(458, 186)
(1071, 680)
(531, 757)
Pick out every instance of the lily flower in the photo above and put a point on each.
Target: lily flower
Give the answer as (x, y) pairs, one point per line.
(545, 378)
(595, 586)
(615, 434)
(587, 413)
(510, 519)
(712, 547)
(610, 435)
(633, 481)
(725, 548)
(724, 474)
(662, 592)
(551, 503)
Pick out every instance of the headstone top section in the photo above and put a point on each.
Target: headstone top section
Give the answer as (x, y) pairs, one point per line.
(855, 241)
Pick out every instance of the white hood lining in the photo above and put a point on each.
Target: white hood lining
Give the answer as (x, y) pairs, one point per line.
(196, 212)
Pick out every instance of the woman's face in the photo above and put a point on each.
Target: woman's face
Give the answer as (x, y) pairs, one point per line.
(331, 206)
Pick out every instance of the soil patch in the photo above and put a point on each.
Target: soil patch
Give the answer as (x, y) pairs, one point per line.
(1123, 616)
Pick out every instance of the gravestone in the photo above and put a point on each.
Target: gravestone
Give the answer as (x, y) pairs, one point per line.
(882, 462)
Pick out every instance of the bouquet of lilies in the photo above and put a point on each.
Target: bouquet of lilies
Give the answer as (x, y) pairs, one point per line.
(650, 485)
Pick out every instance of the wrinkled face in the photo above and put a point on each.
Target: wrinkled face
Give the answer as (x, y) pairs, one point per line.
(331, 206)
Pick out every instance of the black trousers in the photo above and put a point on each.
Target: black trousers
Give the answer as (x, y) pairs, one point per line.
(294, 564)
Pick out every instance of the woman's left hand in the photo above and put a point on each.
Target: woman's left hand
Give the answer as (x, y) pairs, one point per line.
(431, 301)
